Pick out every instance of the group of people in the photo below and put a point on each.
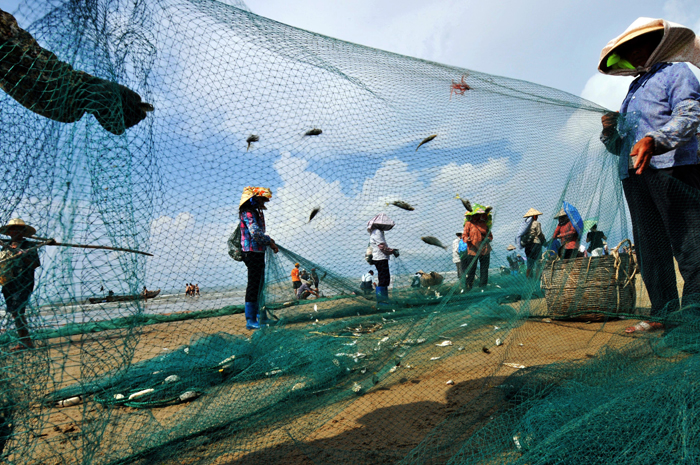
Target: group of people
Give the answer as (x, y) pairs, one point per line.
(305, 284)
(570, 240)
(191, 290)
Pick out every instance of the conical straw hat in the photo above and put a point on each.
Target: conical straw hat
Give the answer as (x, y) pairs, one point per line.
(18, 223)
(510, 247)
(532, 212)
(561, 213)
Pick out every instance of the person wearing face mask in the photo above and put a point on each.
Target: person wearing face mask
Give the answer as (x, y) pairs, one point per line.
(655, 136)
(254, 243)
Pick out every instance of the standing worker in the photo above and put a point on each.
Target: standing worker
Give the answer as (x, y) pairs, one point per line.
(296, 279)
(314, 278)
(456, 259)
(477, 235)
(654, 135)
(567, 234)
(531, 239)
(381, 253)
(254, 242)
(20, 258)
(597, 241)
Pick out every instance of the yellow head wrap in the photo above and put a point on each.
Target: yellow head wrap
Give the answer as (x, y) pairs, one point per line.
(250, 192)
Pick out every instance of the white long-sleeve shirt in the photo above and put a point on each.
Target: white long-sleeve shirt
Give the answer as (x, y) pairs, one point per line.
(455, 250)
(376, 238)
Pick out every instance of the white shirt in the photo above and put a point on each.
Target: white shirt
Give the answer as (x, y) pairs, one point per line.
(455, 250)
(367, 278)
(376, 238)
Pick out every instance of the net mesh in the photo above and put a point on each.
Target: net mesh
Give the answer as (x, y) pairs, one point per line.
(528, 367)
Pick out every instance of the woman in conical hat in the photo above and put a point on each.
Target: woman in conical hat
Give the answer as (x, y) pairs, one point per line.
(19, 258)
(532, 212)
(254, 242)
(567, 234)
(531, 238)
(381, 253)
(654, 135)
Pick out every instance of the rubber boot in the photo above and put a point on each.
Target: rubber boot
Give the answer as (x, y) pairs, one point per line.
(382, 295)
(251, 316)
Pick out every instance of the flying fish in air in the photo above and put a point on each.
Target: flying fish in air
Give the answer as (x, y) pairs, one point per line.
(313, 214)
(430, 240)
(251, 138)
(467, 204)
(426, 140)
(402, 204)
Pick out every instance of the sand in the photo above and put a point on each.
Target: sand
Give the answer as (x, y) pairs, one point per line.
(380, 426)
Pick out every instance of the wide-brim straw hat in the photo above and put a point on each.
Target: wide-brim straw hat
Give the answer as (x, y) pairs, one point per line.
(636, 33)
(510, 247)
(532, 212)
(18, 223)
(250, 192)
(679, 44)
(561, 213)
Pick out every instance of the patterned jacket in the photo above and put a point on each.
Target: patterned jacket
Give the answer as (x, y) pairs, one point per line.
(252, 224)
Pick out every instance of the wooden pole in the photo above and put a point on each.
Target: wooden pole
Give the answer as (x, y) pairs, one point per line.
(85, 246)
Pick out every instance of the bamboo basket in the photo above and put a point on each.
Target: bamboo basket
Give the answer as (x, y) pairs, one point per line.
(590, 288)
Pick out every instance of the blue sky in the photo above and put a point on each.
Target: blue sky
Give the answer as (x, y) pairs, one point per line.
(550, 42)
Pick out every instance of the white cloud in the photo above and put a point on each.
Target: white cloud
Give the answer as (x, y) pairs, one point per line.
(607, 91)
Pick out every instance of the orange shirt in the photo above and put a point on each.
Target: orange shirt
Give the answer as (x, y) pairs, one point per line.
(473, 236)
(295, 274)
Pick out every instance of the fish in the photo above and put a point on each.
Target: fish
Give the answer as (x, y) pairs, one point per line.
(402, 204)
(426, 140)
(251, 138)
(467, 204)
(430, 240)
(313, 132)
(313, 214)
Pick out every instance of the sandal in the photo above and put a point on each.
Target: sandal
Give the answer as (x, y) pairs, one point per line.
(645, 327)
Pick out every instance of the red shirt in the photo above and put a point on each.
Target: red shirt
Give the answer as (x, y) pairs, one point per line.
(568, 235)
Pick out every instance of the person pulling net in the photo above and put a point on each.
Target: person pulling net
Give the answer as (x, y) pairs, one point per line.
(42, 83)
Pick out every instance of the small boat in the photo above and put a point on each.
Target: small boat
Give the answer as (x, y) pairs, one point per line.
(123, 298)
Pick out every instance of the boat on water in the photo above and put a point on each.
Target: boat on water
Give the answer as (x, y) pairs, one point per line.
(123, 298)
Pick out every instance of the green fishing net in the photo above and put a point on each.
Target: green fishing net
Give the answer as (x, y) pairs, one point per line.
(533, 367)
